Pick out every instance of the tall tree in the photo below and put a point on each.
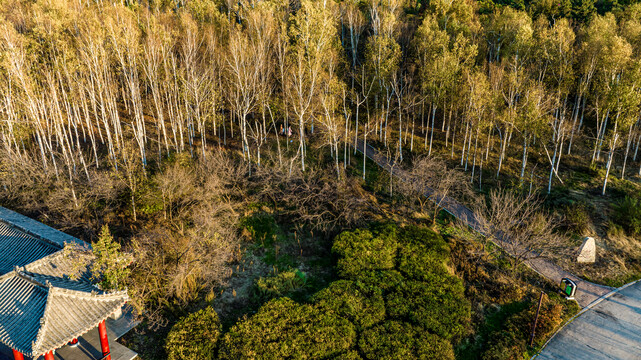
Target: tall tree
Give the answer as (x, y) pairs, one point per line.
(314, 36)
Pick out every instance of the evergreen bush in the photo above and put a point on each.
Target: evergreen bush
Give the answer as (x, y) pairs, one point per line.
(195, 336)
(401, 340)
(438, 305)
(281, 284)
(362, 250)
(422, 253)
(628, 214)
(361, 305)
(283, 329)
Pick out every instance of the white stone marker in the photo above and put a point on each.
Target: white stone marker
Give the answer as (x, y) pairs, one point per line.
(587, 252)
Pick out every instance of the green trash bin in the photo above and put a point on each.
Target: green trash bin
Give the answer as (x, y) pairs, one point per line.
(568, 287)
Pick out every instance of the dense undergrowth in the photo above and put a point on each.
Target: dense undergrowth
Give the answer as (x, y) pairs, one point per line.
(276, 245)
(398, 292)
(375, 308)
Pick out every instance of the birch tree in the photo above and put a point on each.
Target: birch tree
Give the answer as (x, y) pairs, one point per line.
(314, 36)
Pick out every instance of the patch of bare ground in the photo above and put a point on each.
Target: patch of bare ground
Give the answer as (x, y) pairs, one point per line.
(233, 298)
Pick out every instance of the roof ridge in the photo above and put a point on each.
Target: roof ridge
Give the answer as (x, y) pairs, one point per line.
(43, 323)
(93, 295)
(38, 229)
(37, 263)
(34, 265)
(23, 275)
(96, 294)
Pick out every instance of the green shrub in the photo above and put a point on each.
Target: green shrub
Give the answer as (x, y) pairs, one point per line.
(422, 253)
(511, 339)
(362, 250)
(628, 214)
(549, 319)
(350, 355)
(284, 329)
(380, 279)
(361, 305)
(577, 217)
(425, 236)
(396, 293)
(505, 347)
(559, 197)
(261, 226)
(195, 336)
(438, 305)
(401, 340)
(283, 283)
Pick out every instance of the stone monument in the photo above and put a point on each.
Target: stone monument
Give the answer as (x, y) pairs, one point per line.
(587, 251)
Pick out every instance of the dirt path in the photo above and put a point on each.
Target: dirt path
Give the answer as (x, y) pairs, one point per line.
(586, 292)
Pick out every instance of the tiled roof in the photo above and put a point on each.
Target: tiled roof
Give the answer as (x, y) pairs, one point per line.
(22, 305)
(57, 268)
(69, 314)
(46, 295)
(18, 248)
(38, 229)
(39, 313)
(72, 262)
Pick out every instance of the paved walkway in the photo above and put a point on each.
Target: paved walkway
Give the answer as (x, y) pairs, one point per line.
(610, 329)
(586, 292)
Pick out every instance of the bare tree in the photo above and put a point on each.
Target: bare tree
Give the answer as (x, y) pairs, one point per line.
(355, 21)
(124, 34)
(433, 185)
(329, 98)
(518, 225)
(313, 198)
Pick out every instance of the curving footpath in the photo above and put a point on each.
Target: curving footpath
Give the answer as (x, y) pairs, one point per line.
(608, 327)
(586, 292)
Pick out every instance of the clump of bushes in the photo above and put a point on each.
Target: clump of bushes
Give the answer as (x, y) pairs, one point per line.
(283, 283)
(402, 340)
(195, 336)
(362, 305)
(577, 217)
(283, 329)
(395, 300)
(439, 305)
(365, 250)
(261, 227)
(511, 341)
(423, 254)
(628, 214)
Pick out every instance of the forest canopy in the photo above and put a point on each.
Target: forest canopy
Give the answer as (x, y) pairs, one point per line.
(89, 86)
